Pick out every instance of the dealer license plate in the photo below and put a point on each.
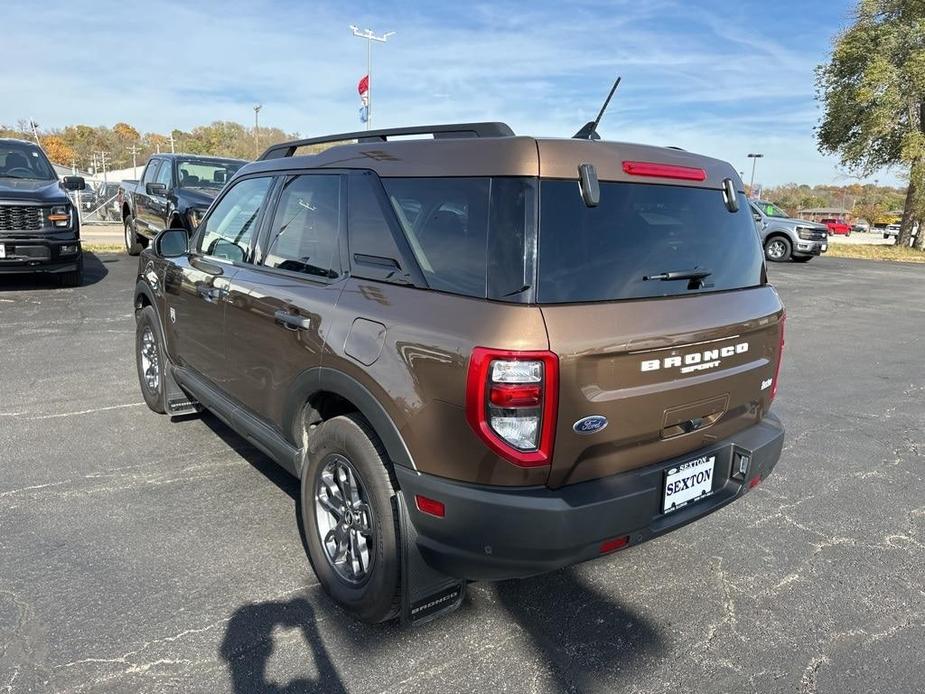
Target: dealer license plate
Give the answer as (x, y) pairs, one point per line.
(2, 251)
(824, 248)
(687, 482)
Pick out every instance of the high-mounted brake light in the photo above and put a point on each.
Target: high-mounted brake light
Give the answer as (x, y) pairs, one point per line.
(780, 358)
(511, 403)
(648, 168)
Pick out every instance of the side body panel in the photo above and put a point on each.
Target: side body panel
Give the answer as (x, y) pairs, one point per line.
(419, 375)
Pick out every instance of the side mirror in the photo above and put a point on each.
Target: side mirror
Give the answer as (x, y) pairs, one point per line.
(587, 183)
(74, 183)
(155, 188)
(171, 243)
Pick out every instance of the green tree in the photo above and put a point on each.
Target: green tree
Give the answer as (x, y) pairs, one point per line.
(873, 96)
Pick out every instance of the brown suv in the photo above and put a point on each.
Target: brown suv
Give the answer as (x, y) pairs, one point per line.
(485, 356)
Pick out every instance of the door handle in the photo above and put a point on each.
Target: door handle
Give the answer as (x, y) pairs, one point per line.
(210, 294)
(292, 321)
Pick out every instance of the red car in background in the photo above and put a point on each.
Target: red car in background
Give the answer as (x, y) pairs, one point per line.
(837, 226)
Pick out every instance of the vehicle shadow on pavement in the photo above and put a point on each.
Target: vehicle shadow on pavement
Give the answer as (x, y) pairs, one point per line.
(94, 271)
(589, 641)
(249, 642)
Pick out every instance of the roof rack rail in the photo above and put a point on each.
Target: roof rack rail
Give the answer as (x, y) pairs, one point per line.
(451, 130)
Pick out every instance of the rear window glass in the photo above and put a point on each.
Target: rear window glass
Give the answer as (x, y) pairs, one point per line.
(467, 234)
(604, 253)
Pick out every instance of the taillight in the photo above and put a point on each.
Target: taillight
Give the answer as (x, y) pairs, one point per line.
(780, 358)
(511, 402)
(654, 170)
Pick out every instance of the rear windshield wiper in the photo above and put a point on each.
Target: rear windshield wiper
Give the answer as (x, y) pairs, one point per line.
(694, 274)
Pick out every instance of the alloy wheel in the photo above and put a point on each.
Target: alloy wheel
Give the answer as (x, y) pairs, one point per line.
(150, 361)
(776, 249)
(345, 520)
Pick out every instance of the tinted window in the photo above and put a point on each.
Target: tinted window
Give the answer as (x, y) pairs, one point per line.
(369, 231)
(229, 230)
(163, 176)
(603, 253)
(306, 227)
(150, 171)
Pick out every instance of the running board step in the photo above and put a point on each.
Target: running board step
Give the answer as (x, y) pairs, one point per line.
(426, 594)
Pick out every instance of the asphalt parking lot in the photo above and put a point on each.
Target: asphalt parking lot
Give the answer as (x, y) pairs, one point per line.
(140, 554)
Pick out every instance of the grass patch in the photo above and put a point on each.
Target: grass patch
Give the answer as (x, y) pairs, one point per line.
(894, 253)
(103, 247)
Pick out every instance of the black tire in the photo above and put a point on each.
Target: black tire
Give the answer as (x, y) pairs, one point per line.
(802, 258)
(75, 277)
(133, 245)
(886, 236)
(146, 327)
(777, 249)
(375, 597)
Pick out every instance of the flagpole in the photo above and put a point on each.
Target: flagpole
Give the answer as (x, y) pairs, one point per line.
(369, 83)
(370, 36)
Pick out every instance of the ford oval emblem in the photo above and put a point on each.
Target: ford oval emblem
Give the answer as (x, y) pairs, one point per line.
(590, 425)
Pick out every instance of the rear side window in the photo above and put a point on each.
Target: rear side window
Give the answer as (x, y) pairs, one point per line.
(604, 253)
(467, 234)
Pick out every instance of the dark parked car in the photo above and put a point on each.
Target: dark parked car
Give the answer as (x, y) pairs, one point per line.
(485, 356)
(108, 201)
(175, 191)
(39, 227)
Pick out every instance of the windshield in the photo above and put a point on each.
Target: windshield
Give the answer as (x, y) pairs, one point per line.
(205, 174)
(642, 241)
(22, 160)
(771, 210)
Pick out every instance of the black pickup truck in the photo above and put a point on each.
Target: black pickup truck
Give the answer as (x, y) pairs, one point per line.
(175, 191)
(39, 227)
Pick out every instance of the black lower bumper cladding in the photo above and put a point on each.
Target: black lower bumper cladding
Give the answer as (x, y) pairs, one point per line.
(497, 533)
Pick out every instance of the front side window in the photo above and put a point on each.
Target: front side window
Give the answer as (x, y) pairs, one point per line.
(623, 248)
(305, 232)
(163, 176)
(230, 229)
(22, 160)
(150, 171)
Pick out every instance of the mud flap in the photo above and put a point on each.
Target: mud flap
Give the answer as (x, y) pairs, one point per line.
(425, 593)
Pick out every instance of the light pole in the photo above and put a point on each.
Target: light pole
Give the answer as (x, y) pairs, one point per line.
(257, 130)
(370, 36)
(35, 131)
(754, 158)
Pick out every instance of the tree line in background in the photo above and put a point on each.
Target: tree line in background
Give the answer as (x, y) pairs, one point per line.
(82, 145)
(863, 201)
(872, 92)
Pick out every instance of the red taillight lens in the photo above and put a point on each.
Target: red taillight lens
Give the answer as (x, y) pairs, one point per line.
(653, 170)
(780, 358)
(511, 403)
(515, 395)
(430, 506)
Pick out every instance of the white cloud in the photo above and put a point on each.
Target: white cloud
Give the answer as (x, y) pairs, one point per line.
(704, 81)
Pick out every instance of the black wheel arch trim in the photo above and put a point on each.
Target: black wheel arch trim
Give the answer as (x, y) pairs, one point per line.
(325, 379)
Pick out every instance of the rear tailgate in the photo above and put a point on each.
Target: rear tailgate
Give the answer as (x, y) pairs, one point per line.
(670, 375)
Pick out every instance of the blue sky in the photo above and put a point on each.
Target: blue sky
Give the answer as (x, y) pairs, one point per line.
(722, 78)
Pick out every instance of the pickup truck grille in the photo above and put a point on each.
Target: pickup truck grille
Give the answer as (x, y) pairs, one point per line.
(21, 218)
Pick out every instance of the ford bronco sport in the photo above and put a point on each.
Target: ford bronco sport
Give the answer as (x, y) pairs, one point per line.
(485, 356)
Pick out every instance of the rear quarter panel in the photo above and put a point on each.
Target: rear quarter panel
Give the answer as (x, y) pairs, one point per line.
(420, 374)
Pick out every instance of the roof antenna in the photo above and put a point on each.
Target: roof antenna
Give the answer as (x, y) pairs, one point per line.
(589, 131)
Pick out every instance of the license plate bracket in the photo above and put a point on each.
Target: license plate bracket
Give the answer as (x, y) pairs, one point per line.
(688, 482)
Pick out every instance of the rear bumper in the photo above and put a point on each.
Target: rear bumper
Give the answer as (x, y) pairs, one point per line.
(495, 533)
(57, 253)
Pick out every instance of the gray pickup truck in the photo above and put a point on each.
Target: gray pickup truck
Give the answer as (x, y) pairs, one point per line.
(785, 238)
